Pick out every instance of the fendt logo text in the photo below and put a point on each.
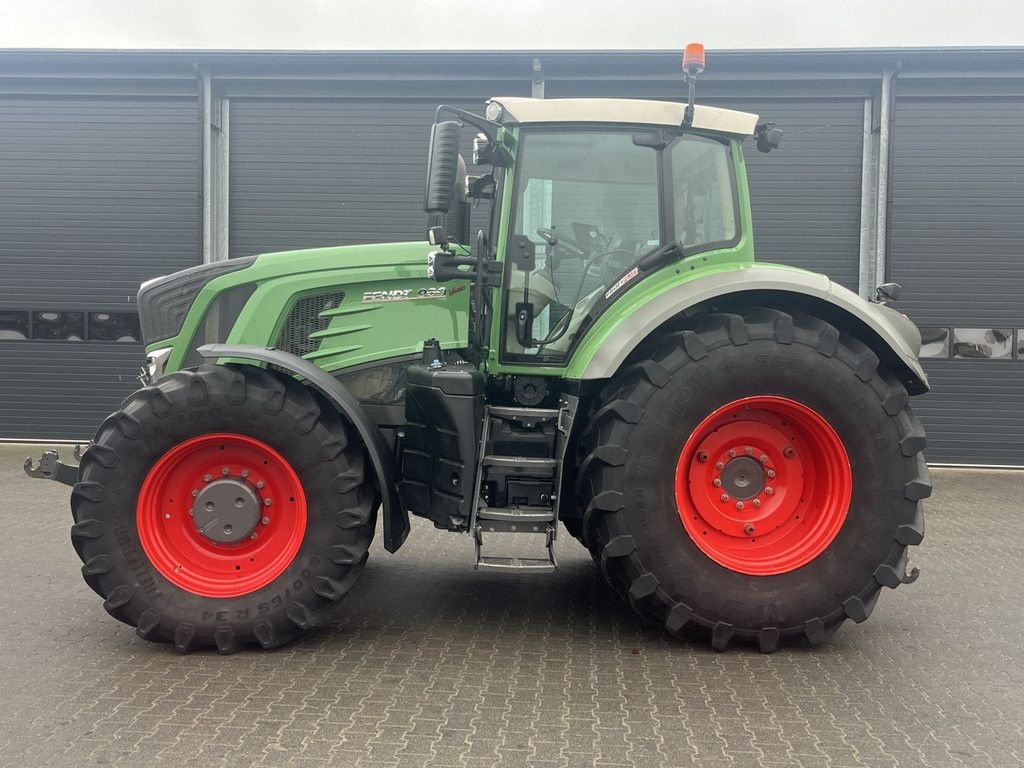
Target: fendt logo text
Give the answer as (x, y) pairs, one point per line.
(405, 294)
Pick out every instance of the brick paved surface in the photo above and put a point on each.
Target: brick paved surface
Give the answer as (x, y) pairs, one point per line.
(431, 664)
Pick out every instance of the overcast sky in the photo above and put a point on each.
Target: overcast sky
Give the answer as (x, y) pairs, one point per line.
(522, 24)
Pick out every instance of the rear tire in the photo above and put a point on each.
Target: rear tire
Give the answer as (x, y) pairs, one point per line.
(135, 509)
(640, 479)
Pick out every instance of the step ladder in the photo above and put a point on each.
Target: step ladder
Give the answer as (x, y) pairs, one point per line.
(536, 521)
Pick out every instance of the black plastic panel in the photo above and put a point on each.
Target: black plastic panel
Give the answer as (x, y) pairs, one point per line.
(444, 416)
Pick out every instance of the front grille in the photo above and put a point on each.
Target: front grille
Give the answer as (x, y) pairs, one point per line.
(164, 302)
(304, 319)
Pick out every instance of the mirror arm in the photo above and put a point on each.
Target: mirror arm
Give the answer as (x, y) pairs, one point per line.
(489, 128)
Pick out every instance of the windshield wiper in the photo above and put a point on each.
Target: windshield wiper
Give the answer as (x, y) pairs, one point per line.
(661, 255)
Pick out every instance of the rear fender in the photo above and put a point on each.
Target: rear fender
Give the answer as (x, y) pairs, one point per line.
(889, 333)
(396, 518)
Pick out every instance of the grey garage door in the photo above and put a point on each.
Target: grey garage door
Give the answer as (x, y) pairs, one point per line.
(96, 195)
(958, 251)
(311, 172)
(805, 196)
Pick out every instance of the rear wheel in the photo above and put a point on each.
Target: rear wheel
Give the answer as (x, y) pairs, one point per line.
(223, 507)
(756, 478)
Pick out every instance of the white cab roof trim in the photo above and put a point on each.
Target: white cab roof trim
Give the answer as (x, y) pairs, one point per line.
(645, 112)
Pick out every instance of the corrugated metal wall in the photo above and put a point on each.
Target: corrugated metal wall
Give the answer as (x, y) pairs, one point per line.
(805, 196)
(97, 194)
(315, 172)
(958, 251)
(307, 173)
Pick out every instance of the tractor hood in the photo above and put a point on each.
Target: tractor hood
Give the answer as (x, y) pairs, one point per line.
(336, 306)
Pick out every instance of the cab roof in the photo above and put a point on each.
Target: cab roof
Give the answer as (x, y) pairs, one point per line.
(518, 109)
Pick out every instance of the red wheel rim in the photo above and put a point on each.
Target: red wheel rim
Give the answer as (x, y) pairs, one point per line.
(763, 485)
(271, 498)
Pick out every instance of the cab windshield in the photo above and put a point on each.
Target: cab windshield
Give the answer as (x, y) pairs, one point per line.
(588, 206)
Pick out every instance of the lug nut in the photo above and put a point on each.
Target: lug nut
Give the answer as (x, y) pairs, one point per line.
(725, 497)
(788, 452)
(225, 471)
(717, 483)
(253, 535)
(771, 473)
(748, 529)
(756, 503)
(739, 505)
(763, 458)
(260, 484)
(719, 465)
(265, 521)
(207, 478)
(245, 473)
(194, 493)
(749, 451)
(769, 491)
(702, 457)
(267, 502)
(732, 454)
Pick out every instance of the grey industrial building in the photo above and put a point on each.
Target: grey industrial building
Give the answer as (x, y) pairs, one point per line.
(902, 165)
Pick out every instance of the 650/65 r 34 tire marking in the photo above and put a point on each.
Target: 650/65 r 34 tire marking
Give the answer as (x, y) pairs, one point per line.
(225, 551)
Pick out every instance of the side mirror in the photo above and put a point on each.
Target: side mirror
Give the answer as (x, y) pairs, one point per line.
(768, 137)
(442, 166)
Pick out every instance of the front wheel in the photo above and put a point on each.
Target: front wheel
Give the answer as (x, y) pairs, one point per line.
(223, 507)
(757, 478)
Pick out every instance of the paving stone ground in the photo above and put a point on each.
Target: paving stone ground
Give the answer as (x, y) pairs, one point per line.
(429, 663)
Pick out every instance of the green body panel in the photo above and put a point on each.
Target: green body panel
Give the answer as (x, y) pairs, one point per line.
(358, 331)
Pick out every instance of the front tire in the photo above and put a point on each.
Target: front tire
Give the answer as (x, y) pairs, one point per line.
(223, 507)
(757, 478)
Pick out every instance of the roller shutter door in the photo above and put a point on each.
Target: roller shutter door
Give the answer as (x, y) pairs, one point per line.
(805, 196)
(958, 251)
(319, 172)
(96, 195)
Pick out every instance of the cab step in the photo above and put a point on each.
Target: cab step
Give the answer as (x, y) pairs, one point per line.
(524, 415)
(517, 514)
(515, 563)
(518, 564)
(520, 462)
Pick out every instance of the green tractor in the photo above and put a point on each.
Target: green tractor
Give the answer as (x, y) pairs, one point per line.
(730, 440)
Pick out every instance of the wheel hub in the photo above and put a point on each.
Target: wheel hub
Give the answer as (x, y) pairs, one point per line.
(226, 511)
(743, 478)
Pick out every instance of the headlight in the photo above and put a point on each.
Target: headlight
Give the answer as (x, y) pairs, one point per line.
(153, 368)
(493, 111)
(164, 302)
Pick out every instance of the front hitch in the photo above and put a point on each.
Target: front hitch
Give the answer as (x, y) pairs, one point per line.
(50, 467)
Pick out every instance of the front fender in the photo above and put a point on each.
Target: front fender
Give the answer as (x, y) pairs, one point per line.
(883, 328)
(396, 518)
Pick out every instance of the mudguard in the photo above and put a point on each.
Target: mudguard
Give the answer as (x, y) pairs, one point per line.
(396, 518)
(882, 328)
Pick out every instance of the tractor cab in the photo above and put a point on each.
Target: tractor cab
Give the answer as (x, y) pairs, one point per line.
(590, 197)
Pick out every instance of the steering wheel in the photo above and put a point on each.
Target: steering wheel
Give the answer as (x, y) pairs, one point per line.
(553, 239)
